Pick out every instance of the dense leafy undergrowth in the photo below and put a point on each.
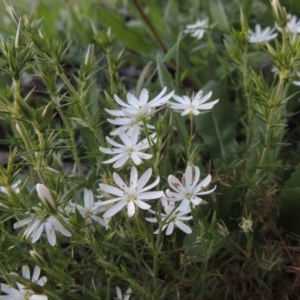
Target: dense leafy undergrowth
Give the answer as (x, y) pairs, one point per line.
(150, 150)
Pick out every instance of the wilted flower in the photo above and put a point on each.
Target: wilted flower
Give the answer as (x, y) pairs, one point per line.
(260, 35)
(126, 295)
(190, 189)
(193, 106)
(130, 149)
(132, 195)
(172, 217)
(197, 29)
(22, 292)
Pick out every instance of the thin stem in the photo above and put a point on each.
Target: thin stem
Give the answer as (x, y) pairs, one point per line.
(150, 25)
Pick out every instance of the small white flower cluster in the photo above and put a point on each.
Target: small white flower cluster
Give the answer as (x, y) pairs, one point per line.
(130, 118)
(259, 35)
(53, 219)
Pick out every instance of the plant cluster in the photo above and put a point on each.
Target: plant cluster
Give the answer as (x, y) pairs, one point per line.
(149, 157)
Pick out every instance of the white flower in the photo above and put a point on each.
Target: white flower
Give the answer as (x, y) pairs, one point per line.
(197, 29)
(297, 82)
(246, 224)
(293, 24)
(134, 194)
(137, 109)
(260, 35)
(15, 187)
(190, 189)
(37, 224)
(171, 218)
(90, 211)
(23, 293)
(193, 106)
(126, 295)
(130, 149)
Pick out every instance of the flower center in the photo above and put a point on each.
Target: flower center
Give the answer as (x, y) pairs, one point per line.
(131, 195)
(188, 195)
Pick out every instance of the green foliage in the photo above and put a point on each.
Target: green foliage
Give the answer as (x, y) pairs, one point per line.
(61, 66)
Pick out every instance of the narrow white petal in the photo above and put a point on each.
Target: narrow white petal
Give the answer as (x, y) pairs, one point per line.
(144, 96)
(208, 105)
(111, 189)
(113, 143)
(185, 206)
(120, 183)
(115, 209)
(133, 177)
(151, 220)
(144, 179)
(175, 184)
(121, 161)
(60, 228)
(151, 195)
(88, 198)
(188, 176)
(150, 186)
(135, 158)
(130, 209)
(142, 204)
(26, 272)
(50, 232)
(36, 273)
(36, 235)
(23, 222)
(205, 97)
(115, 112)
(170, 228)
(120, 102)
(183, 227)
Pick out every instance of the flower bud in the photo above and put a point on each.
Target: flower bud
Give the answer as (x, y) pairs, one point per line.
(279, 13)
(40, 261)
(46, 197)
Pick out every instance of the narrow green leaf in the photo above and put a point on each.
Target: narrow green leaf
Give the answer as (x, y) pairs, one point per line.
(128, 36)
(218, 127)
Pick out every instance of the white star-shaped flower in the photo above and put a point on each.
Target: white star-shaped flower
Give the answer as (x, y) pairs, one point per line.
(90, 211)
(190, 189)
(172, 217)
(130, 149)
(260, 35)
(132, 195)
(136, 109)
(39, 221)
(293, 24)
(193, 106)
(197, 29)
(23, 293)
(36, 226)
